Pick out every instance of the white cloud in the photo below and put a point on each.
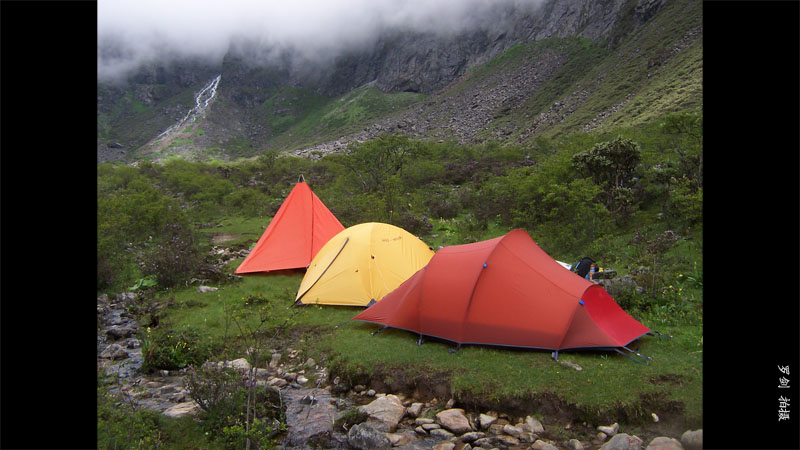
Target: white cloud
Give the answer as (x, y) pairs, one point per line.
(141, 30)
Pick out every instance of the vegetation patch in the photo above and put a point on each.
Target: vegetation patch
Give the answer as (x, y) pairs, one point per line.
(643, 219)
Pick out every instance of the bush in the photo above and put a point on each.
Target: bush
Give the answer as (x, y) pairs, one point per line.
(222, 393)
(414, 224)
(170, 349)
(250, 202)
(261, 435)
(175, 258)
(131, 210)
(612, 165)
(121, 427)
(688, 202)
(443, 203)
(355, 208)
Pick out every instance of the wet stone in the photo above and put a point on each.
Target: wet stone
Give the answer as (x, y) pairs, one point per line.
(308, 419)
(365, 437)
(486, 421)
(441, 433)
(415, 409)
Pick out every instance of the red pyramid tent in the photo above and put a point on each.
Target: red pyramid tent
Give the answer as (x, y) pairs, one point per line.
(302, 225)
(505, 291)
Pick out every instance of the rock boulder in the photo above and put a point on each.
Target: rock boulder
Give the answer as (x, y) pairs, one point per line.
(623, 442)
(454, 420)
(182, 409)
(366, 437)
(692, 440)
(664, 443)
(384, 413)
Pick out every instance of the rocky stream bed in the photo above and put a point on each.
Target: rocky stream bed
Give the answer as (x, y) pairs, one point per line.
(312, 408)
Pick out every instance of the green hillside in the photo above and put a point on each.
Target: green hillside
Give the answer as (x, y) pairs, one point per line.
(547, 88)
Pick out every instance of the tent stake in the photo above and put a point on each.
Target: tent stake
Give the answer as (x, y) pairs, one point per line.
(419, 342)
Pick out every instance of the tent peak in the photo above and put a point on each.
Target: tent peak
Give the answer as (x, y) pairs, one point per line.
(300, 179)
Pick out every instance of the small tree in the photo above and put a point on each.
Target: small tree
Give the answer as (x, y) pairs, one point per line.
(651, 252)
(175, 257)
(686, 133)
(376, 161)
(251, 326)
(612, 165)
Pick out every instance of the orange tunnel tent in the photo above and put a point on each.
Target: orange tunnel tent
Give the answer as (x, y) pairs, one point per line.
(505, 291)
(300, 228)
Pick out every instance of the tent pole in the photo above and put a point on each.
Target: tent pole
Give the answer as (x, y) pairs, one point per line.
(659, 334)
(645, 360)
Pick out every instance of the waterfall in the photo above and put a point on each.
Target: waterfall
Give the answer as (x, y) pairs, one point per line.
(201, 100)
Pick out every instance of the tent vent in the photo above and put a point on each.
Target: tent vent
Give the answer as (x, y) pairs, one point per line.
(301, 179)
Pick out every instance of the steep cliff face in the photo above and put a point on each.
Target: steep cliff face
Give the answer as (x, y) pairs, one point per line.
(405, 60)
(263, 95)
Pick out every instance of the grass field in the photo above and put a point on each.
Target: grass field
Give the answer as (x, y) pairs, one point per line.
(610, 387)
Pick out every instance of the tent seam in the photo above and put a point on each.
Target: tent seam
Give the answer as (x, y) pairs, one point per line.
(323, 272)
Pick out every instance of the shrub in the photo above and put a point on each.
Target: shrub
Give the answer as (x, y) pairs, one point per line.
(443, 203)
(171, 349)
(612, 166)
(222, 393)
(130, 210)
(354, 208)
(175, 258)
(119, 426)
(213, 386)
(414, 224)
(261, 435)
(688, 201)
(249, 202)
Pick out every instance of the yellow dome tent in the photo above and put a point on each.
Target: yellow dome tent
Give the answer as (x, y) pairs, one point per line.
(361, 264)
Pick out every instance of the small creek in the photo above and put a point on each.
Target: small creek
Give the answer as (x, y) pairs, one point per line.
(310, 412)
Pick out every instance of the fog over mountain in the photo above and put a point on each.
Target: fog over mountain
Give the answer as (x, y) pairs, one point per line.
(132, 33)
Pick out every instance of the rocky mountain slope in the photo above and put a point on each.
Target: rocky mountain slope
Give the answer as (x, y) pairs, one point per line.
(567, 66)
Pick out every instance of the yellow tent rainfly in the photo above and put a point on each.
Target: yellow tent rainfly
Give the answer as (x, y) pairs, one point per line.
(361, 264)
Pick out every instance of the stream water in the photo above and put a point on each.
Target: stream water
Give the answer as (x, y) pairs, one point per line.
(310, 412)
(201, 100)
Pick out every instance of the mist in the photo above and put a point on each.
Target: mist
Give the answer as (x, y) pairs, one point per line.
(131, 33)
